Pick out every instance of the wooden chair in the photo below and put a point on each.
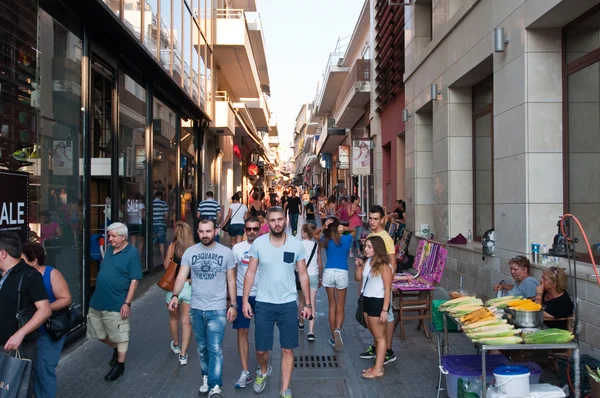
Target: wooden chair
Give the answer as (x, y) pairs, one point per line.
(411, 302)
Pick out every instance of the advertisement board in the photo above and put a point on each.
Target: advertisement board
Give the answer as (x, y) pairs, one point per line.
(14, 206)
(361, 157)
(344, 157)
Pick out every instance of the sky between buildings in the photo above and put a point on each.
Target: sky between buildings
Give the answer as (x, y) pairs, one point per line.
(299, 36)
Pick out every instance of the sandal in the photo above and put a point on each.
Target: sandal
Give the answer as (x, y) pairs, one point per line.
(366, 370)
(370, 375)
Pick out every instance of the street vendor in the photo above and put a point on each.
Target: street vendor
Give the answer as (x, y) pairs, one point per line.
(552, 292)
(525, 285)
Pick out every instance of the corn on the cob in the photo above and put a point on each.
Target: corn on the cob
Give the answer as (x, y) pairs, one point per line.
(451, 303)
(549, 336)
(475, 316)
(488, 322)
(500, 340)
(501, 300)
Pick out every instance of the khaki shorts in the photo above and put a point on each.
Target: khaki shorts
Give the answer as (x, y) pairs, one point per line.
(103, 324)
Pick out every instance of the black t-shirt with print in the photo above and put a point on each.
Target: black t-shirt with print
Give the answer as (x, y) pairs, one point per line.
(294, 204)
(32, 290)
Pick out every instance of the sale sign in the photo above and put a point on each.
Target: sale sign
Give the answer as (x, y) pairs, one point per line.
(14, 205)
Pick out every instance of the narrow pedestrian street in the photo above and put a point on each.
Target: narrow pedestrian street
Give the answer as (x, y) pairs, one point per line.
(152, 370)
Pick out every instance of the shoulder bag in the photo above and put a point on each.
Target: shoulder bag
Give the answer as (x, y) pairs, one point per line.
(360, 314)
(298, 285)
(167, 281)
(62, 321)
(24, 315)
(228, 223)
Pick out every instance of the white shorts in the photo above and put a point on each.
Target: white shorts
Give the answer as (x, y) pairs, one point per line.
(334, 277)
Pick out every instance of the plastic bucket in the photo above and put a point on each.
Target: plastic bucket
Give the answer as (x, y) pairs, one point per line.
(513, 381)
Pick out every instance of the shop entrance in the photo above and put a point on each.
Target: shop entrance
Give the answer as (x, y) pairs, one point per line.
(102, 136)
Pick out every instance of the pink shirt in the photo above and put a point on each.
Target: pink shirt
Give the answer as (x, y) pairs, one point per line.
(264, 229)
(49, 230)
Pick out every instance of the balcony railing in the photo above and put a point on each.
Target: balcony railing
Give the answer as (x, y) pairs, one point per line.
(230, 13)
(221, 96)
(360, 72)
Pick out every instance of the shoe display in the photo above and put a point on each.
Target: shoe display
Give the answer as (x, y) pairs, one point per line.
(244, 379)
(176, 348)
(183, 359)
(311, 337)
(114, 360)
(215, 392)
(389, 357)
(286, 394)
(338, 342)
(203, 390)
(261, 380)
(370, 353)
(19, 155)
(115, 372)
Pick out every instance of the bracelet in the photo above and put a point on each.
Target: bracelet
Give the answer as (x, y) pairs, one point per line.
(538, 294)
(386, 311)
(308, 306)
(175, 295)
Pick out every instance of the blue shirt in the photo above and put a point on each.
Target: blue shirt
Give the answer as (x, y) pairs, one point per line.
(337, 256)
(159, 208)
(526, 288)
(277, 282)
(115, 276)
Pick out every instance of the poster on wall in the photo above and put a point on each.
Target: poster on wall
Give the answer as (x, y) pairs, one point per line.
(344, 157)
(62, 157)
(14, 206)
(361, 157)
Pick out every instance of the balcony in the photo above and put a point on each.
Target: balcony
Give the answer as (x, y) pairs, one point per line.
(233, 53)
(247, 5)
(333, 79)
(273, 141)
(257, 40)
(330, 139)
(354, 95)
(224, 120)
(259, 110)
(273, 130)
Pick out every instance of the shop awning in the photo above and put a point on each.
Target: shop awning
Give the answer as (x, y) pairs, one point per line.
(310, 160)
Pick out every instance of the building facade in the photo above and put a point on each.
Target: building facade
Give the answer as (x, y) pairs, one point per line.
(106, 105)
(502, 132)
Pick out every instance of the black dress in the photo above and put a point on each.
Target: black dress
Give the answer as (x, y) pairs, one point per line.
(559, 307)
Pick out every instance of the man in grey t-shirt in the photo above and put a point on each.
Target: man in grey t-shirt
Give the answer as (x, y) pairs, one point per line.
(212, 267)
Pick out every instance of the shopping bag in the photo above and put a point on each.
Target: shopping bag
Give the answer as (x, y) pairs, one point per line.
(14, 376)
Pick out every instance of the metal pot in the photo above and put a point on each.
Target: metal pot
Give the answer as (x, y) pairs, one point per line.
(525, 319)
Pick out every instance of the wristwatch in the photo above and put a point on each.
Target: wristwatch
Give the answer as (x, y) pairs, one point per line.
(234, 306)
(129, 304)
(308, 306)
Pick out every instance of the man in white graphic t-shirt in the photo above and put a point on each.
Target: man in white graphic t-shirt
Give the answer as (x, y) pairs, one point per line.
(241, 252)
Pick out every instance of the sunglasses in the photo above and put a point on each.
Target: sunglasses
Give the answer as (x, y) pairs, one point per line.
(255, 229)
(554, 270)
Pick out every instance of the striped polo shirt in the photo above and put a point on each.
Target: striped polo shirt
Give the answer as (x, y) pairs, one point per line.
(159, 208)
(209, 208)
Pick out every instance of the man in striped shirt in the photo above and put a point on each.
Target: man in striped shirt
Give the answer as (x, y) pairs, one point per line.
(210, 209)
(160, 213)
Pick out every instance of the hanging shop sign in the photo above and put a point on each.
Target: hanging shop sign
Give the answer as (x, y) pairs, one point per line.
(14, 206)
(344, 157)
(361, 157)
(253, 170)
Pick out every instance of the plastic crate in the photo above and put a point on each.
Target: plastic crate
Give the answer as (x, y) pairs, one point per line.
(438, 317)
(566, 366)
(468, 368)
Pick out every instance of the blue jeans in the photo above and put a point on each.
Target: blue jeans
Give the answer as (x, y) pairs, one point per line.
(357, 235)
(44, 375)
(294, 222)
(209, 329)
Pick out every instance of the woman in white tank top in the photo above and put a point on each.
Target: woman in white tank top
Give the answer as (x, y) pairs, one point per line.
(376, 277)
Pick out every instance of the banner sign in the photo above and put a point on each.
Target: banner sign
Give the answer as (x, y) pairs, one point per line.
(14, 206)
(344, 157)
(361, 157)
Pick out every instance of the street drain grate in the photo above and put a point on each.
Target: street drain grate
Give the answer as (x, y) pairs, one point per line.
(316, 361)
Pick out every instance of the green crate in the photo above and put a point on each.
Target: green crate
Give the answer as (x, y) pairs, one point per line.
(438, 317)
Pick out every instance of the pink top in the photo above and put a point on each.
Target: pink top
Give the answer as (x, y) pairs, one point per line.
(355, 220)
(49, 230)
(264, 229)
(344, 214)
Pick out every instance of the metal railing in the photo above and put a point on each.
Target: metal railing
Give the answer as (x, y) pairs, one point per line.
(360, 72)
(221, 96)
(230, 13)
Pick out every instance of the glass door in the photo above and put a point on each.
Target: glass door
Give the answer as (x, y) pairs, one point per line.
(102, 136)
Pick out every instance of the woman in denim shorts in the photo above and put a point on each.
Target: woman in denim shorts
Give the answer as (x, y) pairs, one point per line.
(236, 218)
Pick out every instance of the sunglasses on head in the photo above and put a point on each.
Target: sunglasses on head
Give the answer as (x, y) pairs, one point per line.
(255, 229)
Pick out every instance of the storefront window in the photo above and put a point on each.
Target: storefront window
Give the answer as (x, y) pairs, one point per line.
(164, 172)
(151, 21)
(40, 131)
(165, 34)
(132, 161)
(132, 16)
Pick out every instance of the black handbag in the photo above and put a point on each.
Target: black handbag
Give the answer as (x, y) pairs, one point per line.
(360, 314)
(62, 321)
(24, 315)
(297, 275)
(228, 223)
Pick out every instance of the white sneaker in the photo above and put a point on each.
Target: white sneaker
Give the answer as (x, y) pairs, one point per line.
(175, 348)
(244, 379)
(183, 359)
(215, 392)
(204, 387)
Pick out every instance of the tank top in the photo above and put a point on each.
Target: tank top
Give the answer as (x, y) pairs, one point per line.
(344, 214)
(177, 261)
(355, 220)
(48, 283)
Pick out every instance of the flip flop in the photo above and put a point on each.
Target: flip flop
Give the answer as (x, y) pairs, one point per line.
(366, 370)
(370, 375)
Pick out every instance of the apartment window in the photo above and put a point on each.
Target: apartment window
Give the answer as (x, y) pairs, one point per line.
(483, 157)
(423, 21)
(581, 151)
